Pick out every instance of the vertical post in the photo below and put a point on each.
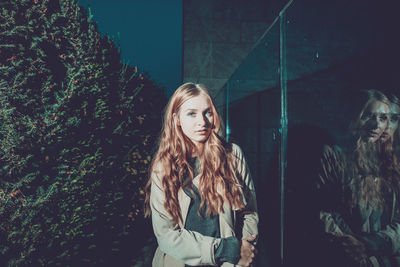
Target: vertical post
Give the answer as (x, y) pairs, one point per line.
(284, 123)
(259, 139)
(228, 128)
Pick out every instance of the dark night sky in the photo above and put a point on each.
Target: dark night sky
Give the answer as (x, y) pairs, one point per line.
(150, 34)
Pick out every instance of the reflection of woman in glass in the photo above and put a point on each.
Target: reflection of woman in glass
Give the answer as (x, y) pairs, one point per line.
(391, 137)
(361, 214)
(200, 194)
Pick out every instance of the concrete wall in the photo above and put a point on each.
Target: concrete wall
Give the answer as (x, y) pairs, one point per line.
(219, 34)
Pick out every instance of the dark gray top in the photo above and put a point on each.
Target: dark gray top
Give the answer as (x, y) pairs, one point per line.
(198, 221)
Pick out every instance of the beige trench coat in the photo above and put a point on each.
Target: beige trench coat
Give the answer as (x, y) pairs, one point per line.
(178, 246)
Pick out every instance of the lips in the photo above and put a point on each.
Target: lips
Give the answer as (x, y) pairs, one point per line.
(384, 136)
(373, 134)
(202, 131)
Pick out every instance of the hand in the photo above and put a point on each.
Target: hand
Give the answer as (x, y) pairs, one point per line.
(353, 250)
(247, 251)
(356, 250)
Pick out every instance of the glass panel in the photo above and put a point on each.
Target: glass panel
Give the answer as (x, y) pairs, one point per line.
(252, 113)
(334, 49)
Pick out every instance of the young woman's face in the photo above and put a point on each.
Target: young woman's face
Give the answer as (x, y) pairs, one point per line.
(393, 123)
(374, 121)
(196, 119)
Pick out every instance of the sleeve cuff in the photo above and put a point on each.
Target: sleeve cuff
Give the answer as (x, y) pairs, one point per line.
(376, 245)
(228, 251)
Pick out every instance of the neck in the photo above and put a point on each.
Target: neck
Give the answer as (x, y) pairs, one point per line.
(198, 149)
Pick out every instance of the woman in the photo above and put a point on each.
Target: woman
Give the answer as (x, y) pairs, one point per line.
(390, 137)
(200, 194)
(360, 212)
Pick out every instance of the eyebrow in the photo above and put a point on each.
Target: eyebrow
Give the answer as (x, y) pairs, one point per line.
(193, 109)
(376, 113)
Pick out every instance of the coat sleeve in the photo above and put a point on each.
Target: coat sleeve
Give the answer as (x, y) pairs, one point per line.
(387, 240)
(186, 246)
(249, 213)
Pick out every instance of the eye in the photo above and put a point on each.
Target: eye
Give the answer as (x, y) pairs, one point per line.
(208, 113)
(191, 114)
(383, 117)
(394, 118)
(366, 116)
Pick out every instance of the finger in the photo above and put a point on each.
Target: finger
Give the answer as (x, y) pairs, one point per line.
(251, 238)
(246, 244)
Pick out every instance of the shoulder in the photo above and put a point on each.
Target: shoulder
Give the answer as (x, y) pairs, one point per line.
(334, 160)
(157, 167)
(157, 172)
(237, 155)
(236, 150)
(332, 149)
(334, 153)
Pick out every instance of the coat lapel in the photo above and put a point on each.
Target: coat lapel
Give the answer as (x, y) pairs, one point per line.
(226, 221)
(184, 202)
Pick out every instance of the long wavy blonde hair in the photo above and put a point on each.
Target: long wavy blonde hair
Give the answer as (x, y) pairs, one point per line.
(365, 154)
(217, 164)
(375, 164)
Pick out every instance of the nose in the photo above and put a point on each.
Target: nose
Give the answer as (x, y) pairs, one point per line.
(373, 123)
(202, 120)
(382, 124)
(376, 123)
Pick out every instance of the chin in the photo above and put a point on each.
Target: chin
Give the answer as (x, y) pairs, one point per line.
(202, 140)
(199, 140)
(385, 137)
(372, 140)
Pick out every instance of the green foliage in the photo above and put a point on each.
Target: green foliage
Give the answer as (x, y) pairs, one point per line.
(75, 129)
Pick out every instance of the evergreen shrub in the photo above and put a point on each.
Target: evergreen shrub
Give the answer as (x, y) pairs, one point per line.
(76, 132)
